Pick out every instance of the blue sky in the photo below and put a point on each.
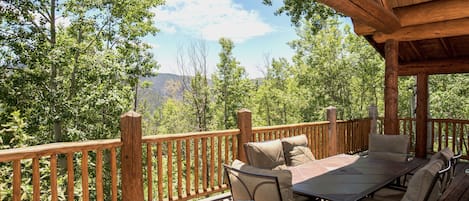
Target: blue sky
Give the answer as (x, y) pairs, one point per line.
(253, 27)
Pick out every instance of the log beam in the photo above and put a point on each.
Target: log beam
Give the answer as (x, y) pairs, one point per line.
(425, 13)
(427, 31)
(422, 116)
(391, 124)
(449, 66)
(368, 12)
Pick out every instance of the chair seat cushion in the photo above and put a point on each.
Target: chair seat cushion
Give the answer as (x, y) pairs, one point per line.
(296, 150)
(265, 155)
(284, 178)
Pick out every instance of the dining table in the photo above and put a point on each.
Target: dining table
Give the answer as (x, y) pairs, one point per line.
(352, 178)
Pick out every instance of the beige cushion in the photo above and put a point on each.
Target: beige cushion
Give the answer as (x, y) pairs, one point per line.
(445, 155)
(264, 193)
(296, 150)
(421, 181)
(300, 155)
(388, 147)
(266, 155)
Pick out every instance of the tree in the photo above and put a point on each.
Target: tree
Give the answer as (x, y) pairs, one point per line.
(277, 100)
(305, 11)
(69, 66)
(231, 86)
(334, 67)
(195, 83)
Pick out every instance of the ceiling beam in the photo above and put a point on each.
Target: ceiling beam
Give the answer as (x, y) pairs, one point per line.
(433, 11)
(368, 12)
(427, 31)
(451, 66)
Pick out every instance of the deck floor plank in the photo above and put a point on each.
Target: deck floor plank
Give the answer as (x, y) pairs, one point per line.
(459, 188)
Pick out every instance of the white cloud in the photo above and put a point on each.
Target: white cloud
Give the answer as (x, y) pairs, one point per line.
(210, 19)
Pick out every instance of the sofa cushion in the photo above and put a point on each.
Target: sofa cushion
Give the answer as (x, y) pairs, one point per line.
(388, 147)
(265, 155)
(300, 155)
(284, 178)
(296, 150)
(421, 182)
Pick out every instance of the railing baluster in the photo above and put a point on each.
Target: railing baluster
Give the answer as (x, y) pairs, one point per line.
(114, 174)
(179, 166)
(149, 172)
(196, 165)
(446, 134)
(99, 175)
(70, 177)
(170, 169)
(84, 176)
(159, 161)
(17, 180)
(204, 164)
(36, 180)
(53, 176)
(219, 159)
(440, 135)
(188, 167)
(212, 162)
(454, 136)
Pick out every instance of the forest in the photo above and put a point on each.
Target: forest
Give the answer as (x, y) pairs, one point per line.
(71, 82)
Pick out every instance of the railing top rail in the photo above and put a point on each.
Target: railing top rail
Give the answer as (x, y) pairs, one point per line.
(450, 120)
(279, 127)
(56, 148)
(352, 120)
(183, 136)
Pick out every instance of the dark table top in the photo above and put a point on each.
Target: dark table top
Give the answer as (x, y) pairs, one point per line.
(353, 180)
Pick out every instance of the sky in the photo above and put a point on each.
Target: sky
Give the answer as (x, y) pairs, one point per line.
(252, 26)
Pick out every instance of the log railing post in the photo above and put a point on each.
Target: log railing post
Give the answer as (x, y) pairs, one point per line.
(332, 135)
(373, 113)
(131, 152)
(245, 128)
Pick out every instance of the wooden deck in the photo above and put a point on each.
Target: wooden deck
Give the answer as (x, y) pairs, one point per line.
(459, 188)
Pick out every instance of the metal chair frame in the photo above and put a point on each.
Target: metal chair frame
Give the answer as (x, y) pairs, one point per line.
(273, 180)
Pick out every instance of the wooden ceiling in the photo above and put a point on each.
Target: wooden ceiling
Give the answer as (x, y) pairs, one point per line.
(433, 35)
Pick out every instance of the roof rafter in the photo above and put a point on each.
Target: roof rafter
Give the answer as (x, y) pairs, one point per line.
(448, 66)
(369, 12)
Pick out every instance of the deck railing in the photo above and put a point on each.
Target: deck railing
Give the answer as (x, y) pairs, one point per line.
(27, 162)
(452, 133)
(160, 167)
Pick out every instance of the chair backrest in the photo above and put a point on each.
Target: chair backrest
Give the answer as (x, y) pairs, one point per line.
(427, 183)
(265, 155)
(250, 186)
(296, 150)
(389, 147)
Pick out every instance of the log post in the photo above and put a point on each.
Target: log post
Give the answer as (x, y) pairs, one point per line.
(422, 116)
(373, 114)
(245, 129)
(391, 124)
(131, 152)
(333, 138)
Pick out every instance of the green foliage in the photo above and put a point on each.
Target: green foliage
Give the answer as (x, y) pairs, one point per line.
(300, 10)
(336, 68)
(231, 86)
(72, 80)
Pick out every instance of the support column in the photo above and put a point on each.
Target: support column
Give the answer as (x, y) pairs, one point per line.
(391, 122)
(245, 129)
(373, 115)
(131, 153)
(422, 116)
(333, 139)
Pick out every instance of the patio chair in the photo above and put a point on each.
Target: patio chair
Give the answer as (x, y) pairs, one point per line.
(448, 156)
(388, 147)
(250, 183)
(425, 185)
